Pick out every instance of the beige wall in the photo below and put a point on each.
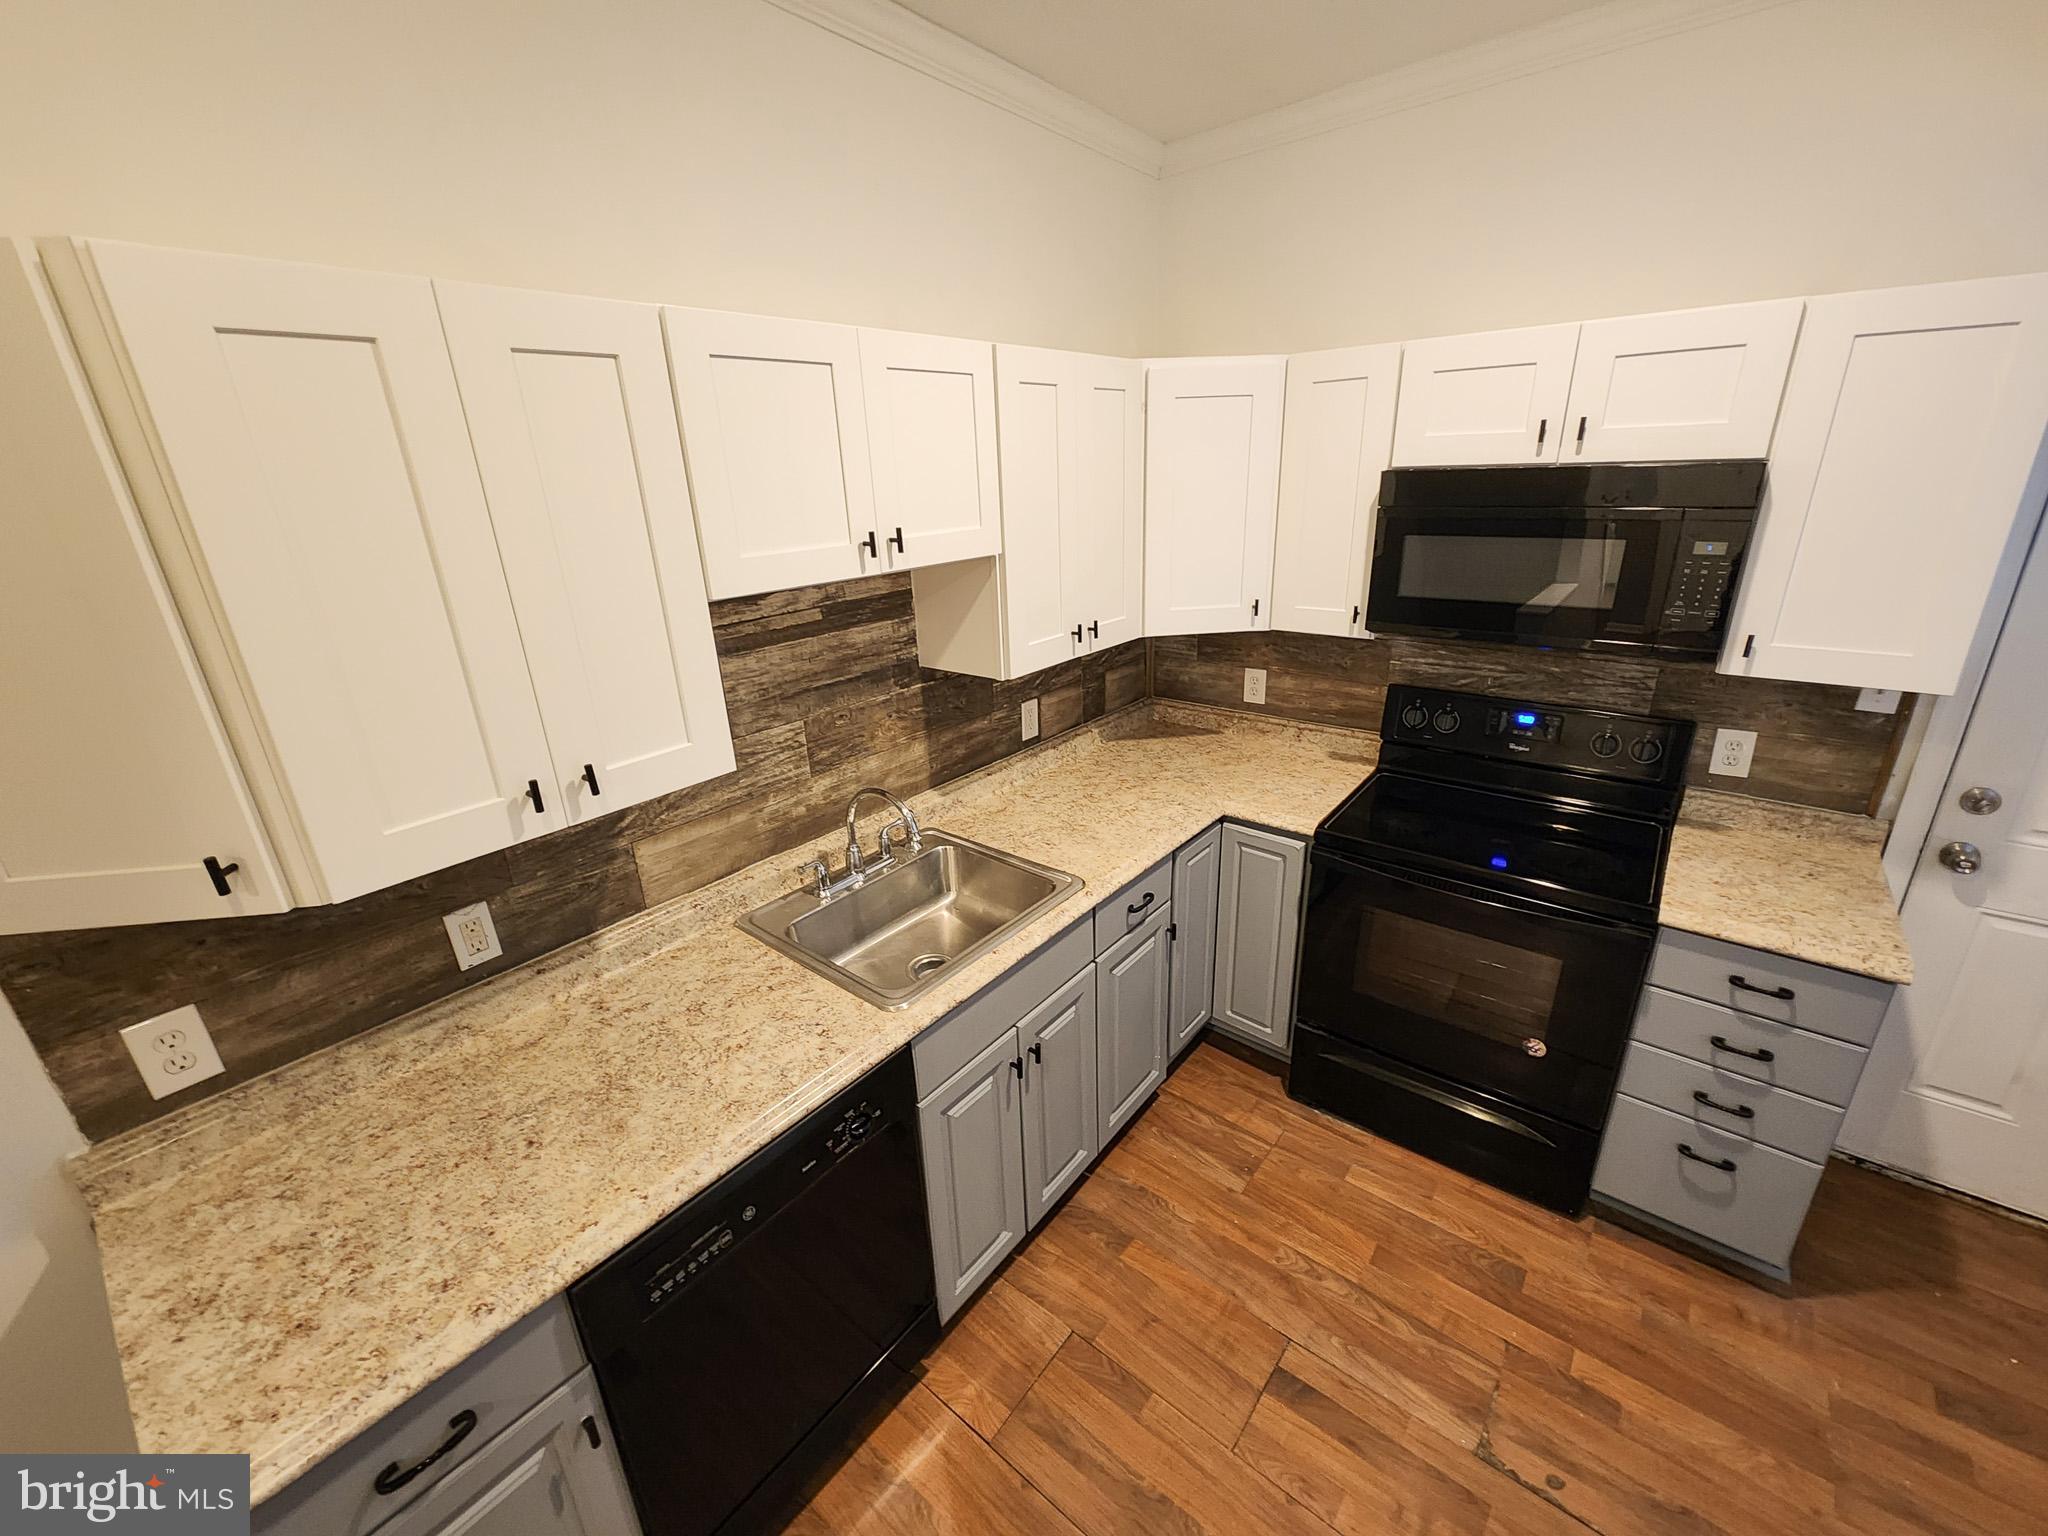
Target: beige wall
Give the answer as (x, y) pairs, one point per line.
(1815, 147)
(63, 1381)
(715, 152)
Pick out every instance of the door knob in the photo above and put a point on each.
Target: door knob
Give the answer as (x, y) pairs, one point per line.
(1980, 801)
(1963, 858)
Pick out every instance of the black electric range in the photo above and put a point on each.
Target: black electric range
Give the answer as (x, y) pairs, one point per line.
(1480, 915)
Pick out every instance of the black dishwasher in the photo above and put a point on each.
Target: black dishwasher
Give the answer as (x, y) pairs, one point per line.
(738, 1342)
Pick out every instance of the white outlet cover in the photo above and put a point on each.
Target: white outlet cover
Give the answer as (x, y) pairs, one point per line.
(172, 1051)
(1732, 752)
(1028, 719)
(472, 935)
(1255, 685)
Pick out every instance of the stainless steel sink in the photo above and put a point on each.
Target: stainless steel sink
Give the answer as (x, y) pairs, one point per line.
(896, 934)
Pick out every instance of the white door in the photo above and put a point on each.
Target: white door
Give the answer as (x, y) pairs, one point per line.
(1957, 1085)
(1911, 423)
(575, 432)
(1335, 441)
(117, 782)
(1693, 384)
(1212, 484)
(1034, 409)
(776, 436)
(931, 408)
(1103, 547)
(308, 421)
(1493, 398)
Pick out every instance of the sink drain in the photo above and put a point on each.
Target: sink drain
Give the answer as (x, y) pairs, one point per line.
(924, 965)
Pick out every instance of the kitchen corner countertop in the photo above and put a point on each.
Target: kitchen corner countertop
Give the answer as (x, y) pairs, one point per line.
(294, 1259)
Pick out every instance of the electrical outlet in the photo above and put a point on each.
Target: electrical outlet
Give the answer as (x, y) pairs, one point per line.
(1878, 701)
(473, 935)
(1255, 685)
(172, 1051)
(1028, 717)
(1732, 752)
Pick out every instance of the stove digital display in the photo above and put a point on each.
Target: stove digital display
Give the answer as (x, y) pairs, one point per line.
(1527, 724)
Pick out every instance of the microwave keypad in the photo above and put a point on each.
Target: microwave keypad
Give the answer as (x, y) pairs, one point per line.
(1699, 587)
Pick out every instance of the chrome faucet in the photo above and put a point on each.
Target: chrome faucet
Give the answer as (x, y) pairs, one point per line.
(820, 874)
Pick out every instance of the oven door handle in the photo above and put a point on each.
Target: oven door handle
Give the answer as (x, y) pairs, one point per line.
(1463, 892)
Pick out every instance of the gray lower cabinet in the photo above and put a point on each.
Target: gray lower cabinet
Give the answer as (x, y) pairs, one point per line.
(1192, 983)
(1258, 923)
(973, 1135)
(1132, 990)
(1060, 1111)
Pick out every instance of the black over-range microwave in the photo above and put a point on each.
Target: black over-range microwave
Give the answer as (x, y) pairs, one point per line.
(1640, 557)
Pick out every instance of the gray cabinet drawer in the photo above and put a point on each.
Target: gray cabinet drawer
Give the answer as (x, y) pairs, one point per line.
(498, 1384)
(1131, 907)
(1825, 1001)
(1791, 1122)
(1816, 1065)
(966, 1032)
(1755, 1207)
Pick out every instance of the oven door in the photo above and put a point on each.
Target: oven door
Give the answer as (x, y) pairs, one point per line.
(1538, 577)
(1519, 999)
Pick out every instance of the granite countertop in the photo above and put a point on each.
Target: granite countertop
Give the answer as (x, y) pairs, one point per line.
(290, 1261)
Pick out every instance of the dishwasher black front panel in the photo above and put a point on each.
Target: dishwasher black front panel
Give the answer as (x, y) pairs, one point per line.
(733, 1338)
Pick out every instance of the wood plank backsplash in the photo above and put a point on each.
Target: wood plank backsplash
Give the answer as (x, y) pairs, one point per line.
(825, 695)
(1814, 747)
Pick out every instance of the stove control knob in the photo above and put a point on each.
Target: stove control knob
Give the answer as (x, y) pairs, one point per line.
(1606, 744)
(1446, 721)
(1646, 749)
(1415, 717)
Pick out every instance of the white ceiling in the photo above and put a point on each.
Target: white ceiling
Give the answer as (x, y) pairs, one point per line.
(1176, 67)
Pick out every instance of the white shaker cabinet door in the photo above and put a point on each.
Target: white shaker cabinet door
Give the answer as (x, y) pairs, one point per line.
(776, 435)
(1103, 548)
(575, 432)
(317, 468)
(931, 409)
(117, 782)
(1693, 384)
(1912, 423)
(1497, 397)
(1212, 482)
(1035, 408)
(1336, 441)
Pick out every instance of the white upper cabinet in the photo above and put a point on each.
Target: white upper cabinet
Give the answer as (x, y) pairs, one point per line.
(575, 433)
(776, 435)
(1212, 481)
(1336, 440)
(1693, 384)
(307, 476)
(1493, 398)
(931, 413)
(117, 783)
(1912, 423)
(1069, 579)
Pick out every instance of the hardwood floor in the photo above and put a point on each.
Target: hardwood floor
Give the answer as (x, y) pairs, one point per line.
(1253, 1318)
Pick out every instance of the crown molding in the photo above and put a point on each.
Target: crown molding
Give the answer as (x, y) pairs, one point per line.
(1548, 45)
(883, 27)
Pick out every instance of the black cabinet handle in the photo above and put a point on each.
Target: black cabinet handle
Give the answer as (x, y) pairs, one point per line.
(1138, 906)
(218, 873)
(1542, 431)
(1720, 1043)
(395, 1477)
(1783, 994)
(533, 794)
(874, 549)
(1017, 1065)
(1038, 1052)
(1354, 613)
(1725, 1164)
(1095, 629)
(1172, 932)
(1743, 1111)
(1749, 647)
(1255, 607)
(590, 778)
(896, 538)
(1582, 432)
(1077, 634)
(590, 1430)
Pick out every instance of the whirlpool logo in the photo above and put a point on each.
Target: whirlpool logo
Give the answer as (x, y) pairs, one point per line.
(164, 1495)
